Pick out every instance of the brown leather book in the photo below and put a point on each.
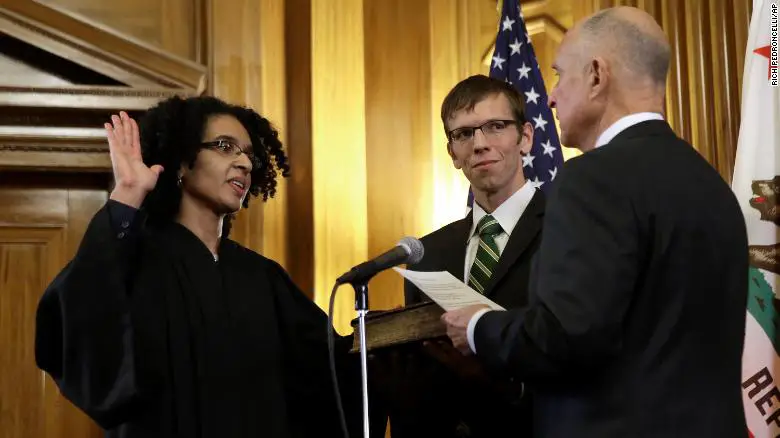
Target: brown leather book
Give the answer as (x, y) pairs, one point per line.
(392, 330)
(413, 323)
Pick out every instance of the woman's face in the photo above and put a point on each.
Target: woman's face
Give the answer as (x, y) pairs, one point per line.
(220, 178)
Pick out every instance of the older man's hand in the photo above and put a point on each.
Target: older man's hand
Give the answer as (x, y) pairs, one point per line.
(457, 322)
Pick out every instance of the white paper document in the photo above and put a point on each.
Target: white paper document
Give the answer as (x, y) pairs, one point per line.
(446, 290)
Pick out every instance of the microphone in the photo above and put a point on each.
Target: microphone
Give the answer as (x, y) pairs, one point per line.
(408, 250)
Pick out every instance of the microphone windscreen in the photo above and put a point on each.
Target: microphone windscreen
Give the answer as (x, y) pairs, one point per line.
(414, 247)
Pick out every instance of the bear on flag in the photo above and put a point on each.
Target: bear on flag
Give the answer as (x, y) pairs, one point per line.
(756, 183)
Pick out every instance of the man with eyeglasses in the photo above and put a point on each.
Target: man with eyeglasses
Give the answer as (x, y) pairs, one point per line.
(637, 319)
(490, 250)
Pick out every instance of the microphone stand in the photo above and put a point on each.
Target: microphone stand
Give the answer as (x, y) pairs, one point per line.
(361, 305)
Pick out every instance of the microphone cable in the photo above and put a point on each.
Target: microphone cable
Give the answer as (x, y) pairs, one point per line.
(332, 354)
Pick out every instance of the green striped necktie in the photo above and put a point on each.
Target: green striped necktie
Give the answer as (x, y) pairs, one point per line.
(487, 254)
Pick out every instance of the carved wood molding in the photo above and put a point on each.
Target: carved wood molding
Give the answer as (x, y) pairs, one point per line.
(540, 9)
(61, 128)
(50, 148)
(87, 97)
(47, 148)
(46, 142)
(97, 47)
(61, 161)
(547, 25)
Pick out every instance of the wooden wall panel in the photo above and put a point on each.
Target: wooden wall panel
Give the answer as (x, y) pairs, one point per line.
(708, 39)
(384, 172)
(41, 225)
(338, 148)
(300, 210)
(96, 48)
(273, 105)
(327, 142)
(454, 35)
(27, 258)
(172, 25)
(355, 88)
(247, 68)
(461, 36)
(398, 130)
(411, 186)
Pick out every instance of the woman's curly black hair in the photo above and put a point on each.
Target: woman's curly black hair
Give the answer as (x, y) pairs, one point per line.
(171, 134)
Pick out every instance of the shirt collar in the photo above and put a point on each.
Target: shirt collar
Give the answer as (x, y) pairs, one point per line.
(624, 123)
(508, 213)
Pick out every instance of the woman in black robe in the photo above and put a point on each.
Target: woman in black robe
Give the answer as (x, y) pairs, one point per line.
(161, 326)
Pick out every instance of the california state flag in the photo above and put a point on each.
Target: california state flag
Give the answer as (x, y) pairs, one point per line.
(756, 183)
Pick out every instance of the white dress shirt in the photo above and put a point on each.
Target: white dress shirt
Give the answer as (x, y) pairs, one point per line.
(623, 123)
(616, 128)
(507, 215)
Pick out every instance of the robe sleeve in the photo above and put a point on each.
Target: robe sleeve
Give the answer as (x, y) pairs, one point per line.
(83, 333)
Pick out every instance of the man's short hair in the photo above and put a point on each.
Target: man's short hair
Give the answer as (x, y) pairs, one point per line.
(638, 50)
(472, 90)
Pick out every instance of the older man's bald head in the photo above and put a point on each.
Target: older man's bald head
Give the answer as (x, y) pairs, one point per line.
(610, 65)
(630, 37)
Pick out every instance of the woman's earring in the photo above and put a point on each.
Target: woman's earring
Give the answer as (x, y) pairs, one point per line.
(178, 182)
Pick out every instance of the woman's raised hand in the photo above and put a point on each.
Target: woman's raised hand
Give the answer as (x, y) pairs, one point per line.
(134, 179)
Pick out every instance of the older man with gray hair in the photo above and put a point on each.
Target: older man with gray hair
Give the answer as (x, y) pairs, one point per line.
(637, 314)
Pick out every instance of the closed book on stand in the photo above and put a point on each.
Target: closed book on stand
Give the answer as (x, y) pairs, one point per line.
(413, 323)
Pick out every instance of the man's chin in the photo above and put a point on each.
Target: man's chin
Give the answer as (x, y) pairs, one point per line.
(487, 189)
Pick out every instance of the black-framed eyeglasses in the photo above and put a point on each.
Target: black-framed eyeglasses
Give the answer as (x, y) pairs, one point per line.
(229, 147)
(492, 128)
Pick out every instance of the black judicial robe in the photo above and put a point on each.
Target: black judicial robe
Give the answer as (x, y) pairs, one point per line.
(151, 337)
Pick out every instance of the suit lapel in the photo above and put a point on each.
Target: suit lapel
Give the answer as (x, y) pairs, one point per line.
(454, 260)
(525, 231)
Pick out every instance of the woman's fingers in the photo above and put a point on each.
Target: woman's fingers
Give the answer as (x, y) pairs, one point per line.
(119, 132)
(136, 137)
(127, 129)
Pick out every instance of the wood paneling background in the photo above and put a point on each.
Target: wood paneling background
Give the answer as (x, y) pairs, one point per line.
(708, 40)
(366, 82)
(398, 105)
(247, 66)
(410, 185)
(354, 87)
(367, 145)
(41, 224)
(172, 25)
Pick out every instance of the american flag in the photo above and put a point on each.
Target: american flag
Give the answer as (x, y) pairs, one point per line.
(514, 61)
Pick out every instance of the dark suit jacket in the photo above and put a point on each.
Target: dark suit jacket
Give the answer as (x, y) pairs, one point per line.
(455, 407)
(638, 299)
(445, 250)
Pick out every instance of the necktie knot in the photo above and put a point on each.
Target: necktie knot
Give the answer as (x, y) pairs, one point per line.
(488, 226)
